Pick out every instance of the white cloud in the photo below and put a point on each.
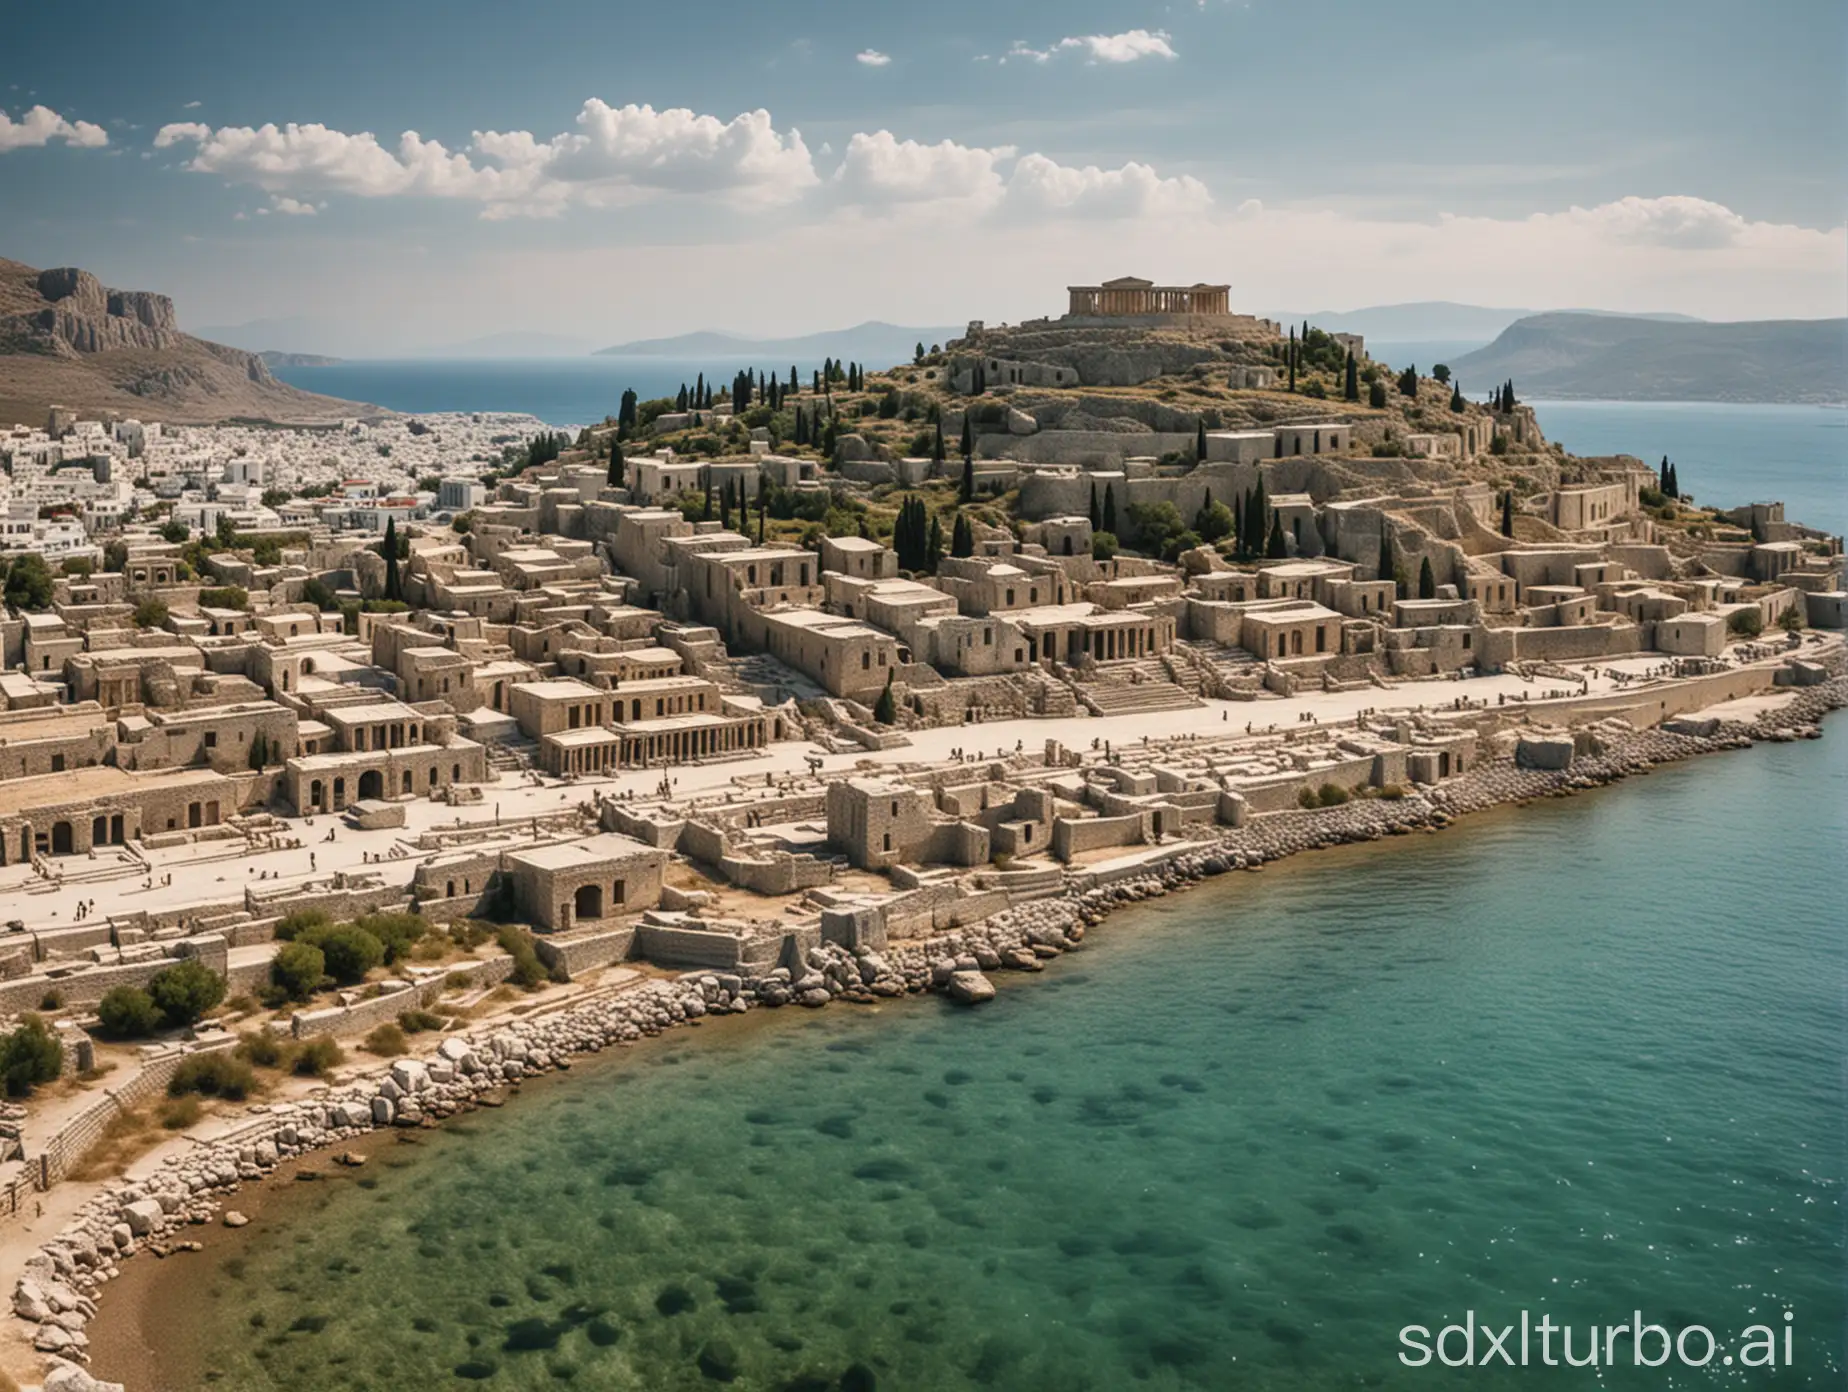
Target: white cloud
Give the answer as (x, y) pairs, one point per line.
(192, 106)
(872, 58)
(616, 155)
(292, 207)
(41, 125)
(1043, 187)
(1127, 47)
(1691, 224)
(880, 169)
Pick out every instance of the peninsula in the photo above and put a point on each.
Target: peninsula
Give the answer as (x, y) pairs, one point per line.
(353, 776)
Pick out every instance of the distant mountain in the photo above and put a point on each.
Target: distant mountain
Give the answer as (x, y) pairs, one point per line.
(274, 359)
(290, 335)
(874, 343)
(67, 339)
(1615, 358)
(1435, 321)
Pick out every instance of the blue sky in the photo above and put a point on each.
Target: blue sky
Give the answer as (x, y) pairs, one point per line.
(791, 165)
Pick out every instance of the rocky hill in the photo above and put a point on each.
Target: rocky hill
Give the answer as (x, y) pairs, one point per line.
(66, 339)
(1628, 359)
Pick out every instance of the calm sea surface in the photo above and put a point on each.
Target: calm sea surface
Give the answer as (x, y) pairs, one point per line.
(1580, 1059)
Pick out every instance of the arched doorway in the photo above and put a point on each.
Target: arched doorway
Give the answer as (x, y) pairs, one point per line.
(587, 902)
(407, 783)
(371, 784)
(60, 838)
(339, 793)
(99, 831)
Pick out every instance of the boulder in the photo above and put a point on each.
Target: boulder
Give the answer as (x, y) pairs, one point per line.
(141, 1216)
(971, 988)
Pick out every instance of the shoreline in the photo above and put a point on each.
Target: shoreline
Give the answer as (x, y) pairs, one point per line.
(71, 1270)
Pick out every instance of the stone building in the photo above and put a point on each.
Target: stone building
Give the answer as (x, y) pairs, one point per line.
(574, 884)
(1133, 297)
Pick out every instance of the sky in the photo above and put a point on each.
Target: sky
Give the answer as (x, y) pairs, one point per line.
(401, 175)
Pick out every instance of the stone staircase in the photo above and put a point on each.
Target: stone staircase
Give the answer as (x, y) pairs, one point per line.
(1221, 668)
(511, 755)
(1133, 688)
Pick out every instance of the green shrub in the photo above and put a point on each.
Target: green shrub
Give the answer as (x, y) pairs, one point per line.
(186, 990)
(29, 1056)
(396, 932)
(349, 951)
(469, 933)
(151, 612)
(1791, 620)
(216, 1074)
(128, 1012)
(1745, 623)
(419, 1021)
(1331, 796)
(387, 1041)
(528, 970)
(180, 1112)
(297, 969)
(1305, 797)
(265, 1048)
(295, 924)
(318, 1057)
(52, 1000)
(224, 597)
(1392, 792)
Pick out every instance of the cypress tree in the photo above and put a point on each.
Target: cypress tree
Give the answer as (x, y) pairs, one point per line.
(389, 549)
(1097, 516)
(937, 453)
(1376, 395)
(725, 506)
(968, 479)
(625, 414)
(1110, 517)
(680, 398)
(763, 504)
(1508, 401)
(699, 390)
(1238, 527)
(885, 709)
(1427, 580)
(968, 439)
(1292, 357)
(706, 511)
(1200, 442)
(1275, 549)
(1408, 381)
(1507, 527)
(962, 537)
(1352, 391)
(1388, 571)
(616, 464)
(1456, 397)
(933, 552)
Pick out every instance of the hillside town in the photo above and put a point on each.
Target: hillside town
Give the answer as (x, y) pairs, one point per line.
(729, 690)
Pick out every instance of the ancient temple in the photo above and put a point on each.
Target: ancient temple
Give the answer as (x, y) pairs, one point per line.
(1130, 295)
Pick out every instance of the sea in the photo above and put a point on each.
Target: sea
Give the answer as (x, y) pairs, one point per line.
(1578, 1061)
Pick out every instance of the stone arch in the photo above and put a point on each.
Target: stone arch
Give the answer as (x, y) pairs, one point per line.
(372, 784)
(587, 902)
(60, 838)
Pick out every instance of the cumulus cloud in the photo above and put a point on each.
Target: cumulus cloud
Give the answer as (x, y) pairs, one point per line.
(872, 58)
(1043, 187)
(880, 169)
(1127, 47)
(292, 207)
(41, 125)
(1677, 221)
(615, 154)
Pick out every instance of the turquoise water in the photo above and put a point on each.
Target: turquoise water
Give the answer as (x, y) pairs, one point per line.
(1579, 1058)
(1725, 454)
(560, 391)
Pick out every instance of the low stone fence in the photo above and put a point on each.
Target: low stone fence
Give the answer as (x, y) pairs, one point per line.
(67, 1147)
(574, 954)
(88, 983)
(366, 1015)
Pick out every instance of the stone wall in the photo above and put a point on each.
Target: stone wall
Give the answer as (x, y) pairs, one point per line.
(573, 954)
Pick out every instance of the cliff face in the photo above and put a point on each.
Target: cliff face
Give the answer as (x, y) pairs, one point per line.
(68, 339)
